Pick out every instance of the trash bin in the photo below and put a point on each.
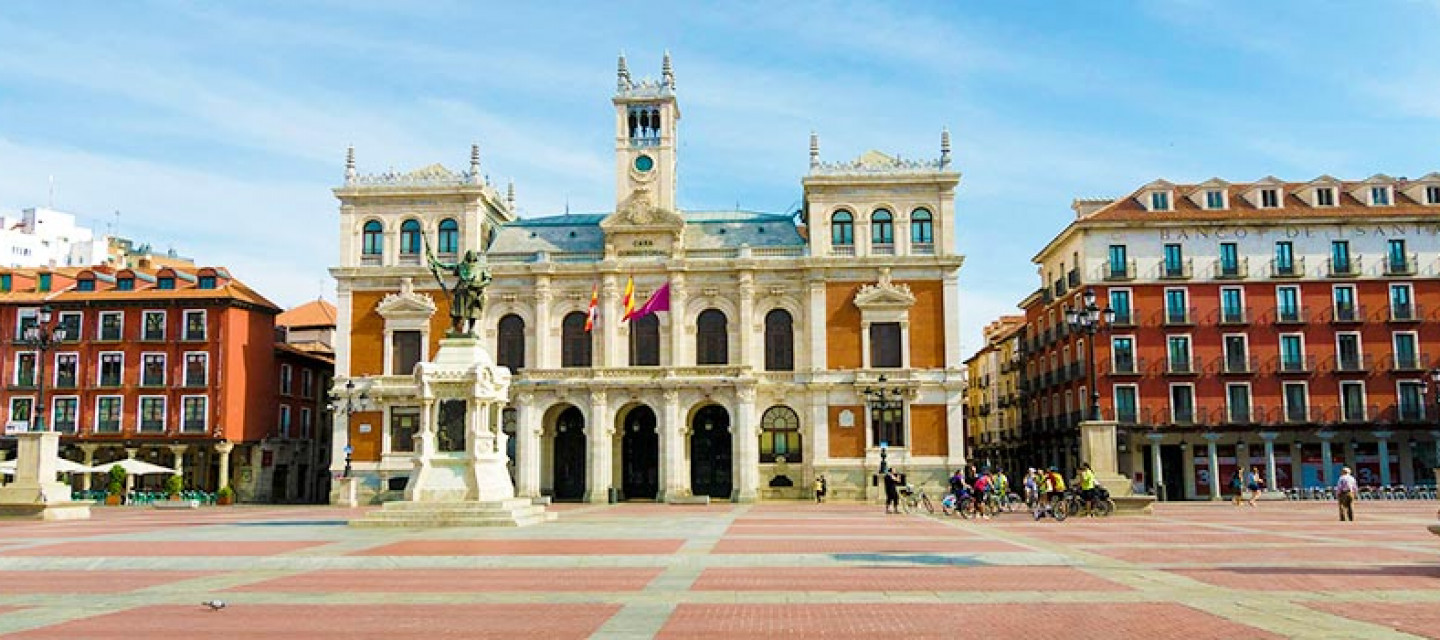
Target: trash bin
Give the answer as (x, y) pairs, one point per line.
(614, 495)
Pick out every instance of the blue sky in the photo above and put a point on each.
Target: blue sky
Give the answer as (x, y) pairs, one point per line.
(219, 128)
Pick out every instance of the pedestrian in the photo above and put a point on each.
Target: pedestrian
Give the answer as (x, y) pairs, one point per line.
(1238, 486)
(824, 487)
(892, 492)
(1345, 491)
(819, 489)
(1254, 482)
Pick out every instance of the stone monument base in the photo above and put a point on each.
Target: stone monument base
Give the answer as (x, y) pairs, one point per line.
(511, 512)
(35, 493)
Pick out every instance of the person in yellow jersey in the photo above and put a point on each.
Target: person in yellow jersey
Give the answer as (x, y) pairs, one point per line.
(1055, 487)
(1087, 486)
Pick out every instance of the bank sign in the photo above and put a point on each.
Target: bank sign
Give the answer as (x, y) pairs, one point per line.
(1322, 231)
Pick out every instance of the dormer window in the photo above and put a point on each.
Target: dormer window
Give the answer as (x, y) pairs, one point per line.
(1324, 197)
(1432, 195)
(165, 282)
(207, 282)
(85, 284)
(125, 284)
(1379, 196)
(1159, 200)
(1269, 198)
(1214, 199)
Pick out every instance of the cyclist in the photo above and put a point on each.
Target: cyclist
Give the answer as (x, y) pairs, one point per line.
(982, 490)
(1055, 488)
(1032, 487)
(1002, 486)
(1087, 487)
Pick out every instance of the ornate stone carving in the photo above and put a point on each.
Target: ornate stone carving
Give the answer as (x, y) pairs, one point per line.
(406, 303)
(884, 294)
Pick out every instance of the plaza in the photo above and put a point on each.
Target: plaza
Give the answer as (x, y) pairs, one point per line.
(633, 570)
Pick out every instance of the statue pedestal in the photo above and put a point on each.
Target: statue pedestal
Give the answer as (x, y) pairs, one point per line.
(35, 492)
(1098, 447)
(460, 476)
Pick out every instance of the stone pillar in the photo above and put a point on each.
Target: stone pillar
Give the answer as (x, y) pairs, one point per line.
(35, 492)
(339, 439)
(1187, 457)
(679, 355)
(1098, 447)
(673, 484)
(129, 478)
(603, 355)
(1383, 438)
(1297, 461)
(527, 447)
(597, 450)
(1270, 482)
(745, 323)
(1155, 467)
(1327, 470)
(224, 449)
(1212, 453)
(746, 439)
(1407, 463)
(815, 348)
(89, 448)
(819, 431)
(178, 450)
(541, 338)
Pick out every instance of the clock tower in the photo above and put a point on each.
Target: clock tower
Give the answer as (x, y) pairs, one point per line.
(646, 123)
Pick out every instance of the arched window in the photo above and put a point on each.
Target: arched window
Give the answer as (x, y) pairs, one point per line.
(779, 341)
(449, 238)
(574, 341)
(882, 227)
(711, 345)
(842, 229)
(780, 434)
(510, 345)
(410, 237)
(373, 238)
(645, 341)
(922, 227)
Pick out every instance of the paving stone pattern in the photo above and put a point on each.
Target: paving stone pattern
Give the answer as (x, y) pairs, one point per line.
(1195, 570)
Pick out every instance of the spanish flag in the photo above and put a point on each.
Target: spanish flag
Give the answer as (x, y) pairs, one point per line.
(629, 300)
(594, 302)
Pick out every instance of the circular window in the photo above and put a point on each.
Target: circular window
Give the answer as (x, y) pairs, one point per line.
(644, 163)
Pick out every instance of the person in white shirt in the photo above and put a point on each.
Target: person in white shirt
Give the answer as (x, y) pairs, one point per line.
(1345, 493)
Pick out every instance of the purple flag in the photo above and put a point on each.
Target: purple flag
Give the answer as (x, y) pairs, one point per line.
(659, 301)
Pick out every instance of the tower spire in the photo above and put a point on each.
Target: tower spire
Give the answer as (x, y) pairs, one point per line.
(350, 164)
(667, 73)
(814, 149)
(510, 196)
(474, 163)
(944, 147)
(622, 75)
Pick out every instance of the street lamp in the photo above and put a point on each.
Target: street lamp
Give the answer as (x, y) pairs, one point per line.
(1089, 319)
(886, 410)
(349, 403)
(42, 338)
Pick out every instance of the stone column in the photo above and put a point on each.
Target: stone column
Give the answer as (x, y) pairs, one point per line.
(1297, 461)
(339, 439)
(1097, 446)
(224, 449)
(745, 323)
(815, 335)
(678, 319)
(1155, 467)
(1187, 457)
(746, 440)
(130, 479)
(1407, 463)
(1213, 454)
(598, 434)
(1327, 471)
(603, 355)
(89, 448)
(527, 447)
(1383, 438)
(542, 324)
(672, 449)
(178, 450)
(819, 442)
(426, 439)
(1269, 437)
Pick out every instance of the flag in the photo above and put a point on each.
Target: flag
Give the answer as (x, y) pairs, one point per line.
(659, 301)
(628, 302)
(590, 313)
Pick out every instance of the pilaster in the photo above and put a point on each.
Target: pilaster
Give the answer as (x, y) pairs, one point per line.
(599, 433)
(746, 460)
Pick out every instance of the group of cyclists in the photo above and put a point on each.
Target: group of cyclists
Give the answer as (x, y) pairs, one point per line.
(984, 492)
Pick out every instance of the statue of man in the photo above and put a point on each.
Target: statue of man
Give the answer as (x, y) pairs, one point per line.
(467, 297)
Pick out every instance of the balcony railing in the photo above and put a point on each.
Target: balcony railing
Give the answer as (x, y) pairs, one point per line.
(1238, 365)
(1234, 315)
(1401, 265)
(1290, 315)
(1403, 362)
(1128, 366)
(1352, 363)
(1294, 364)
(1406, 312)
(1187, 366)
(1231, 270)
(1073, 278)
(1348, 313)
(1292, 269)
(1343, 268)
(1179, 317)
(1113, 272)
(1124, 318)
(1172, 270)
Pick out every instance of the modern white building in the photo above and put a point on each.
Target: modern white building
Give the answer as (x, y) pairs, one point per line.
(41, 237)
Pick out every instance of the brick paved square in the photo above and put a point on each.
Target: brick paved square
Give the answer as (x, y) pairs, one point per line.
(89, 582)
(1419, 618)
(1172, 555)
(459, 581)
(1315, 579)
(164, 548)
(894, 544)
(979, 579)
(503, 547)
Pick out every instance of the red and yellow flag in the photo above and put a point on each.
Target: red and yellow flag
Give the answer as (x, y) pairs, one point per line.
(629, 300)
(594, 305)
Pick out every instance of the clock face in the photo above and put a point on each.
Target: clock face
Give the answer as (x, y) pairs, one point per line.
(644, 163)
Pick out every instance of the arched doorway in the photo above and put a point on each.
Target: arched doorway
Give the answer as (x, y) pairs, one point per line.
(710, 453)
(640, 455)
(569, 455)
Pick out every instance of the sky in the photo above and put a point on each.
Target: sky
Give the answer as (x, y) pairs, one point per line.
(218, 129)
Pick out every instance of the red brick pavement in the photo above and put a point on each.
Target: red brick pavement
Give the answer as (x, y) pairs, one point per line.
(163, 548)
(544, 547)
(1264, 555)
(807, 529)
(895, 544)
(459, 581)
(908, 621)
(885, 578)
(22, 582)
(1310, 579)
(542, 621)
(1419, 618)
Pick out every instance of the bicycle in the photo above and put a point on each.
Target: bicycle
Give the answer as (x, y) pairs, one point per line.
(912, 499)
(1056, 510)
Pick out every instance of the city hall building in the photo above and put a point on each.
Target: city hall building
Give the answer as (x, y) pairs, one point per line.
(793, 344)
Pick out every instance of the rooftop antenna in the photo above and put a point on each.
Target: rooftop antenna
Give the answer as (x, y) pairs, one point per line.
(567, 204)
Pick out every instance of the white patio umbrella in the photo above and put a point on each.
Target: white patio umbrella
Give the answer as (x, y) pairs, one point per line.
(61, 464)
(134, 467)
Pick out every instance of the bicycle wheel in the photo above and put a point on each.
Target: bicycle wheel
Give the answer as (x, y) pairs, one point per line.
(1105, 507)
(925, 501)
(965, 507)
(1072, 507)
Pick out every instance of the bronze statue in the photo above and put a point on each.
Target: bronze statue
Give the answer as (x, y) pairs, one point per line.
(467, 297)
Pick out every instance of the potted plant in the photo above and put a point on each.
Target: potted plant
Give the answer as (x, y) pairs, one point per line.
(174, 485)
(116, 486)
(225, 495)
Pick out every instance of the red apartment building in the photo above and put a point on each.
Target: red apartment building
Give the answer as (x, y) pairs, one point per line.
(1289, 326)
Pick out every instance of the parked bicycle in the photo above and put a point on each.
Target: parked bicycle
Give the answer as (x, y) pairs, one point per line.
(912, 499)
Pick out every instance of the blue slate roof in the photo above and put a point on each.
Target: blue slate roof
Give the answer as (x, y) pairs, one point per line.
(573, 233)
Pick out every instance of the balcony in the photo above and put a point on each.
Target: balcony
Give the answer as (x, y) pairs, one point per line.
(1123, 318)
(1405, 413)
(1291, 269)
(1294, 364)
(1242, 415)
(1186, 367)
(1352, 363)
(1172, 270)
(1238, 365)
(1408, 363)
(1234, 315)
(1179, 317)
(1401, 265)
(1122, 272)
(1347, 314)
(1073, 278)
(1290, 315)
(1126, 366)
(1406, 312)
(1342, 268)
(1222, 270)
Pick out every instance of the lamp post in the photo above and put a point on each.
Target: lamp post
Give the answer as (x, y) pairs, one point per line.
(1089, 319)
(42, 338)
(349, 403)
(886, 408)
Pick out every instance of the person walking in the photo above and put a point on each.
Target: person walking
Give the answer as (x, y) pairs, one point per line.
(1254, 482)
(1345, 492)
(819, 489)
(892, 492)
(1238, 486)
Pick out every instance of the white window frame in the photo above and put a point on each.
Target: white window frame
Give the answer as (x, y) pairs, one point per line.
(205, 415)
(1390, 299)
(140, 414)
(1387, 196)
(54, 411)
(164, 367)
(284, 421)
(1432, 194)
(55, 369)
(185, 325)
(1134, 357)
(1354, 298)
(21, 315)
(287, 378)
(1320, 196)
(79, 324)
(185, 372)
(100, 326)
(1130, 298)
(120, 418)
(1244, 312)
(164, 323)
(1270, 192)
(1115, 399)
(10, 416)
(1230, 409)
(1285, 399)
(1299, 300)
(1225, 353)
(1189, 351)
(1359, 347)
(1364, 399)
(100, 368)
(1280, 345)
(1224, 204)
(15, 370)
(1170, 401)
(1419, 383)
(1395, 348)
(1160, 200)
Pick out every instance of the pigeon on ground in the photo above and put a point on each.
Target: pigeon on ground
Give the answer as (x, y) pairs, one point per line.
(215, 605)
